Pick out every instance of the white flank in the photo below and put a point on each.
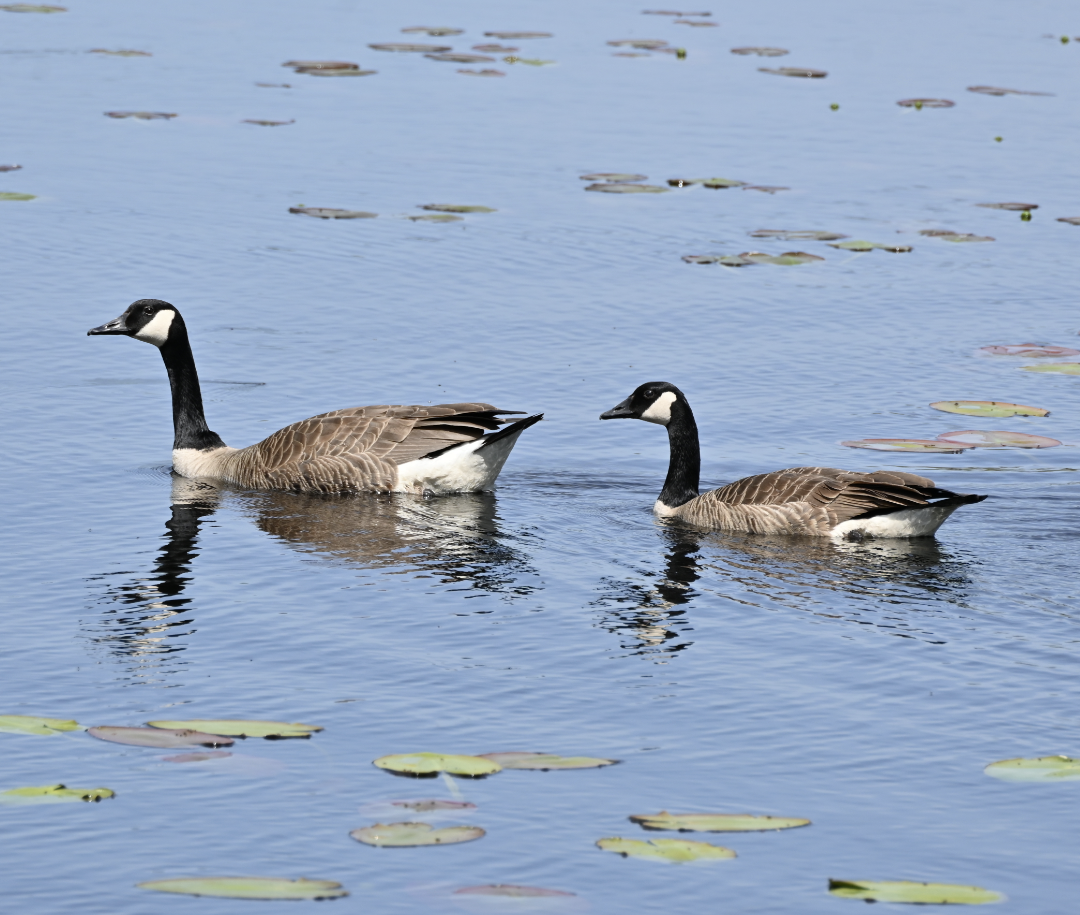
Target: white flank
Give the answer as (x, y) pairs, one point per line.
(157, 330)
(660, 411)
(911, 522)
(664, 511)
(196, 464)
(466, 468)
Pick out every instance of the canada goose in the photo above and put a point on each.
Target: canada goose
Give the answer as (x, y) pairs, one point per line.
(434, 449)
(822, 501)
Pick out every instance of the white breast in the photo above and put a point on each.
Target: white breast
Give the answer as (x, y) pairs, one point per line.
(190, 462)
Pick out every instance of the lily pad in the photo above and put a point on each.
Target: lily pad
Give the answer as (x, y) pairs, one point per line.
(15, 168)
(920, 445)
(765, 188)
(787, 259)
(248, 887)
(271, 730)
(434, 31)
(761, 52)
(1029, 349)
(123, 52)
(487, 72)
(613, 177)
(436, 217)
(1014, 207)
(718, 184)
(859, 245)
(949, 235)
(1056, 368)
(462, 58)
(455, 208)
(410, 835)
(53, 794)
(427, 805)
(529, 61)
(428, 765)
(671, 13)
(1071, 220)
(920, 103)
(692, 22)
(910, 891)
(159, 738)
(672, 850)
(510, 889)
(980, 438)
(617, 188)
(31, 8)
(332, 213)
(494, 49)
(727, 260)
(31, 724)
(274, 85)
(1036, 769)
(715, 822)
(546, 761)
(141, 115)
(796, 234)
(407, 48)
(645, 44)
(516, 36)
(987, 408)
(344, 71)
(995, 90)
(804, 72)
(197, 757)
(321, 65)
(267, 123)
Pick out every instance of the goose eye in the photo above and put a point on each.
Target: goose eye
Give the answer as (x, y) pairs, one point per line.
(148, 311)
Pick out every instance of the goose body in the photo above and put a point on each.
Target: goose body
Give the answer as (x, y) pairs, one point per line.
(418, 449)
(820, 501)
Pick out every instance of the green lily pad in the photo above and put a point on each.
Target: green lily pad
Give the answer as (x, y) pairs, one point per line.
(436, 217)
(487, 72)
(787, 259)
(510, 889)
(141, 115)
(268, 123)
(804, 72)
(410, 835)
(332, 213)
(123, 52)
(31, 724)
(618, 188)
(433, 31)
(248, 887)
(516, 36)
(677, 851)
(614, 177)
(1029, 349)
(428, 765)
(53, 794)
(546, 761)
(1012, 207)
(31, 8)
(995, 90)
(271, 730)
(981, 438)
(923, 445)
(644, 44)
(462, 58)
(455, 208)
(919, 103)
(761, 52)
(1071, 220)
(948, 235)
(529, 61)
(1056, 368)
(859, 245)
(715, 822)
(988, 408)
(159, 738)
(717, 184)
(1036, 769)
(408, 48)
(910, 891)
(796, 235)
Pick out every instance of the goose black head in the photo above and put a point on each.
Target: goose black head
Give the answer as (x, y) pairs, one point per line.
(651, 402)
(149, 320)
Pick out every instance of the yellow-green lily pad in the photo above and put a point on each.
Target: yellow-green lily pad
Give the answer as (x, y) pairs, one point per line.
(455, 208)
(796, 234)
(1036, 769)
(715, 822)
(678, 851)
(988, 407)
(428, 765)
(621, 188)
(1056, 368)
(913, 892)
(860, 245)
(332, 213)
(410, 835)
(53, 794)
(248, 887)
(12, 195)
(271, 730)
(787, 259)
(31, 724)
(531, 61)
(546, 761)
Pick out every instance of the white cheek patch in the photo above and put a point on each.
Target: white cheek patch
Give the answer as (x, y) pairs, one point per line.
(157, 331)
(660, 411)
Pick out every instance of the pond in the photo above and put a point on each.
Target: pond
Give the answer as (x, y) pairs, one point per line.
(862, 686)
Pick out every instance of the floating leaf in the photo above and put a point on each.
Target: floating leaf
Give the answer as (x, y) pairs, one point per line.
(1014, 207)
(331, 213)
(510, 889)
(488, 72)
(979, 438)
(433, 31)
(787, 259)
(1056, 368)
(31, 724)
(268, 123)
(321, 64)
(462, 58)
(699, 25)
(141, 115)
(613, 177)
(715, 822)
(859, 245)
(613, 188)
(761, 52)
(436, 217)
(795, 71)
(427, 805)
(455, 208)
(410, 835)
(920, 103)
(345, 71)
(248, 887)
(987, 408)
(428, 765)
(948, 235)
(406, 48)
(765, 188)
(530, 61)
(907, 444)
(546, 761)
(727, 260)
(1037, 769)
(1029, 349)
(123, 52)
(672, 850)
(15, 168)
(31, 8)
(271, 730)
(630, 54)
(671, 13)
(796, 234)
(494, 49)
(53, 794)
(159, 738)
(995, 90)
(910, 891)
(514, 36)
(197, 757)
(714, 183)
(645, 44)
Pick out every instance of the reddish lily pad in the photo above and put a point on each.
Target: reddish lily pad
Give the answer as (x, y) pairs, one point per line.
(995, 90)
(516, 36)
(796, 234)
(1056, 368)
(455, 208)
(122, 52)
(321, 65)
(268, 123)
(15, 168)
(546, 761)
(510, 889)
(1071, 220)
(332, 213)
(920, 103)
(715, 822)
(1029, 349)
(695, 23)
(804, 72)
(987, 408)
(1013, 207)
(248, 887)
(917, 445)
(31, 8)
(761, 52)
(197, 757)
(433, 31)
(141, 115)
(614, 177)
(159, 738)
(981, 438)
(644, 44)
(410, 48)
(411, 835)
(462, 58)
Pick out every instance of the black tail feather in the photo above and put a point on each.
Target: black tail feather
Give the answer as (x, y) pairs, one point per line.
(512, 429)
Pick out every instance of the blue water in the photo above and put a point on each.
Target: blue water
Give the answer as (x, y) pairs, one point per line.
(862, 686)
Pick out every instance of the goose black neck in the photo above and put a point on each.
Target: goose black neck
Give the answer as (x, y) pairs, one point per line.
(189, 421)
(684, 468)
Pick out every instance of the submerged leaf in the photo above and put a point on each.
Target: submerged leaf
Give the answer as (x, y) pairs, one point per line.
(920, 103)
(796, 234)
(428, 765)
(494, 49)
(910, 891)
(987, 408)
(979, 438)
(761, 52)
(1014, 207)
(1029, 349)
(949, 235)
(711, 25)
(32, 8)
(994, 90)
(410, 835)
(433, 31)
(462, 58)
(482, 72)
(1036, 769)
(31, 724)
(141, 115)
(53, 794)
(268, 123)
(123, 52)
(1056, 368)
(510, 889)
(455, 208)
(530, 61)
(613, 177)
(671, 850)
(859, 245)
(670, 13)
(436, 217)
(795, 71)
(407, 48)
(907, 444)
(159, 738)
(197, 757)
(765, 188)
(512, 36)
(546, 761)
(614, 188)
(715, 822)
(248, 887)
(272, 730)
(426, 805)
(332, 213)
(321, 65)
(645, 44)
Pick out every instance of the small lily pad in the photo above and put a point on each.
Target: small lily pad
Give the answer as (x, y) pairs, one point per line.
(516, 36)
(436, 217)
(344, 71)
(1029, 349)
(671, 850)
(455, 208)
(15, 168)
(159, 738)
(427, 805)
(920, 445)
(141, 115)
(510, 889)
(787, 259)
(31, 724)
(761, 52)
(949, 235)
(410, 835)
(671, 13)
(487, 73)
(980, 438)
(692, 22)
(267, 123)
(644, 44)
(31, 8)
(920, 103)
(274, 85)
(332, 213)
(617, 188)
(804, 72)
(271, 730)
(910, 891)
(1071, 220)
(494, 49)
(197, 757)
(408, 48)
(859, 245)
(987, 408)
(1014, 207)
(546, 761)
(995, 90)
(462, 58)
(433, 31)
(53, 794)
(796, 234)
(718, 184)
(321, 65)
(613, 177)
(528, 61)
(1056, 368)
(1036, 769)
(727, 260)
(122, 52)
(765, 188)
(715, 822)
(428, 765)
(248, 887)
